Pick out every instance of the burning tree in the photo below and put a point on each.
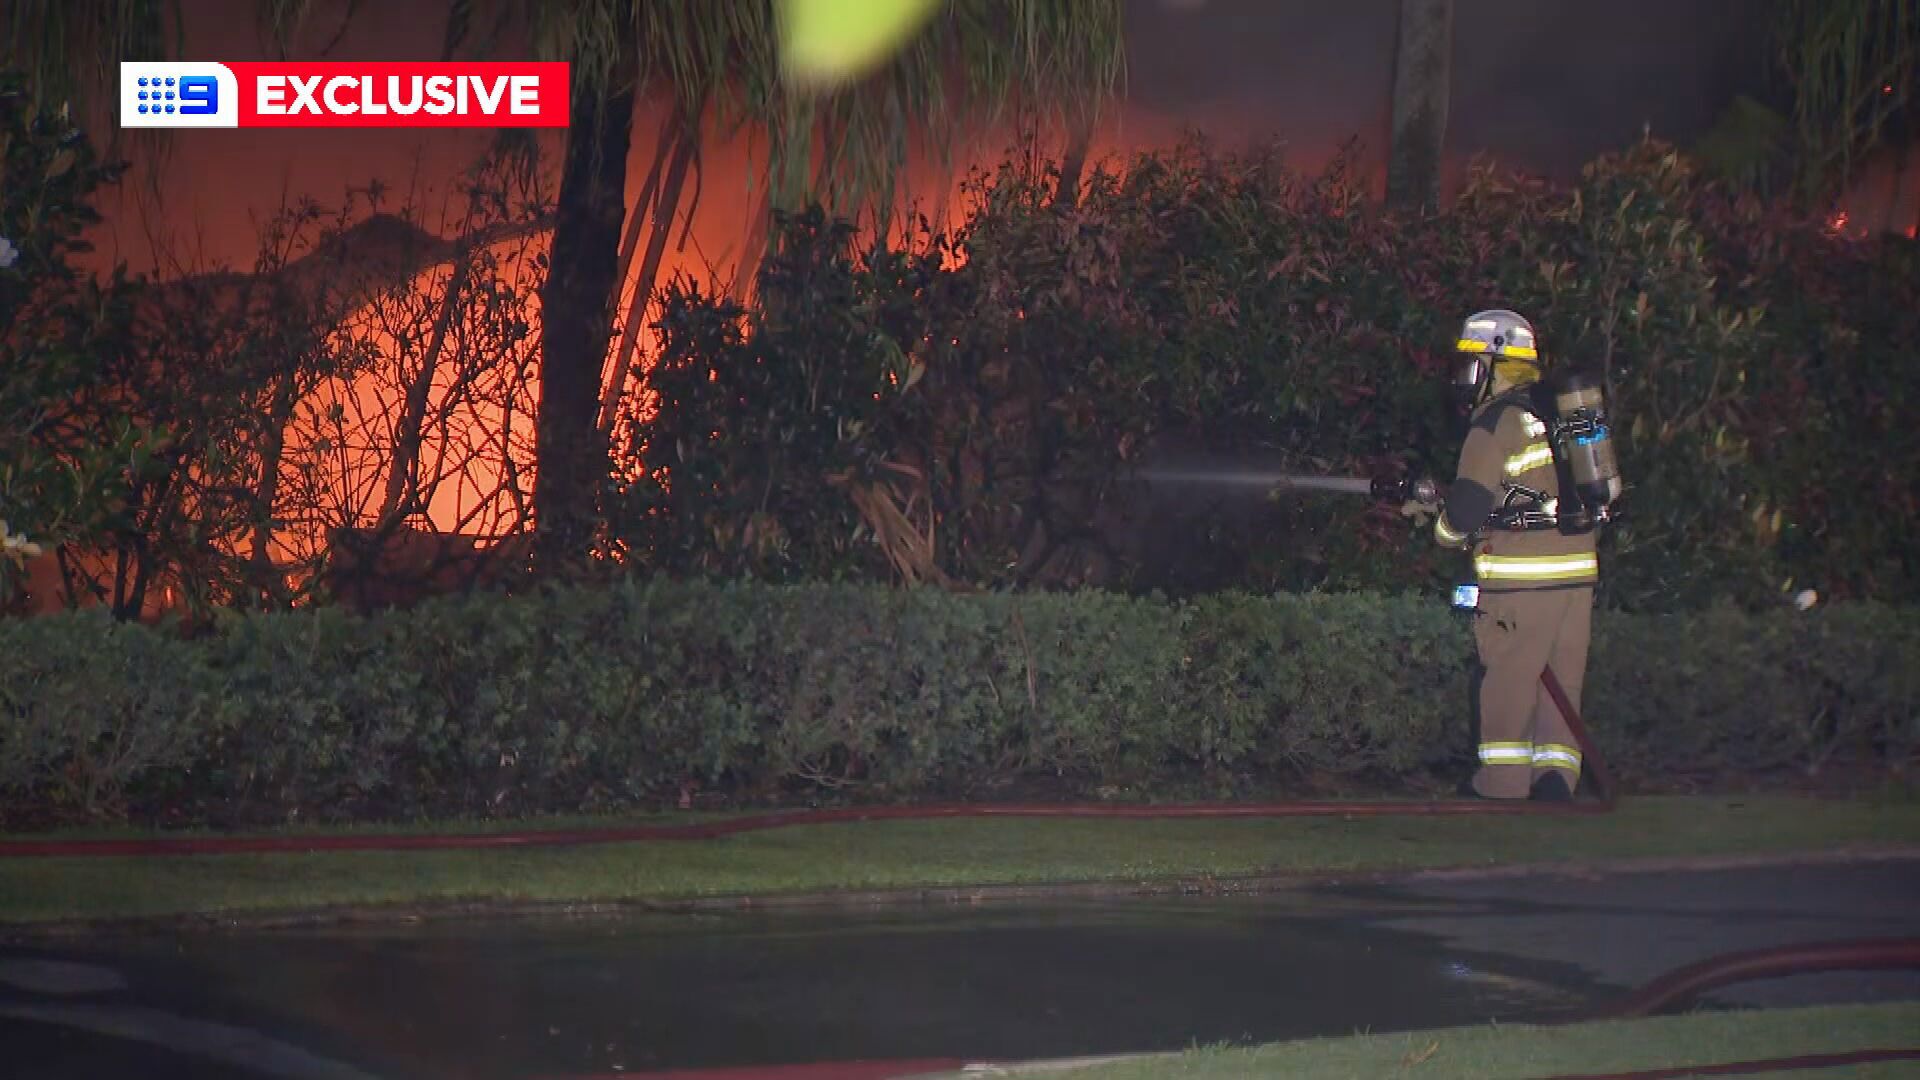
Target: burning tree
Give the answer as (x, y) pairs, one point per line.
(707, 65)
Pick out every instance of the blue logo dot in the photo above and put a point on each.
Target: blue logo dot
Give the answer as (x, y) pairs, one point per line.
(143, 110)
(143, 95)
(143, 82)
(169, 108)
(170, 95)
(169, 82)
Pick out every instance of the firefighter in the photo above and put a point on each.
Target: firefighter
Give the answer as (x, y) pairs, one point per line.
(1536, 577)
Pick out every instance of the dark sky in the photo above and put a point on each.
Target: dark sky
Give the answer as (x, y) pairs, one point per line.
(1541, 84)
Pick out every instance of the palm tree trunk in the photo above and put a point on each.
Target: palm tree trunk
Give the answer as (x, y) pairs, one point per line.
(576, 307)
(1073, 166)
(670, 190)
(1888, 220)
(270, 586)
(784, 190)
(639, 218)
(1422, 81)
(759, 226)
(402, 493)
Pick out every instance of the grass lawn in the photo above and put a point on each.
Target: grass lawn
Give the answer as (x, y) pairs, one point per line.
(909, 854)
(1509, 1052)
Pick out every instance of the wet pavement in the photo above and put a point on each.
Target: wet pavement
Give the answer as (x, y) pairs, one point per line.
(623, 996)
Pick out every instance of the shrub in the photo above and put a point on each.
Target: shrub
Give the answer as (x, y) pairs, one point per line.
(96, 714)
(1000, 384)
(764, 423)
(628, 696)
(62, 476)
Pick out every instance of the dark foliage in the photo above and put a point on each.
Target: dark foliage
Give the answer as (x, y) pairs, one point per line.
(598, 699)
(969, 410)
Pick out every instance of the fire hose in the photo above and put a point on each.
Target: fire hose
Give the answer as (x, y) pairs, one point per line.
(1684, 985)
(1662, 995)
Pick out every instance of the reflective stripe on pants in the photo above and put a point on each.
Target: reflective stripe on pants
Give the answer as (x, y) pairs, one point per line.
(1536, 569)
(1543, 756)
(1556, 756)
(1507, 753)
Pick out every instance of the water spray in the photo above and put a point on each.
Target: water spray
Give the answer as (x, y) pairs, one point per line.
(1259, 479)
(1274, 482)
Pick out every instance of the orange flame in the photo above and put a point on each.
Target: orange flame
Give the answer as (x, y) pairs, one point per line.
(479, 497)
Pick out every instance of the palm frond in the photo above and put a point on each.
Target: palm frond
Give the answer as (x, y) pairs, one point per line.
(1747, 146)
(1852, 65)
(69, 51)
(281, 22)
(975, 63)
(459, 29)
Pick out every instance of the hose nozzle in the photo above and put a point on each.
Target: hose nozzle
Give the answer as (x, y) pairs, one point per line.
(1420, 489)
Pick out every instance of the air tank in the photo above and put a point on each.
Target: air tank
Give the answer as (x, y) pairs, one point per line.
(1585, 444)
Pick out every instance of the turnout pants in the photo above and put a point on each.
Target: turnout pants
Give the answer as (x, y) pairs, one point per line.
(1523, 736)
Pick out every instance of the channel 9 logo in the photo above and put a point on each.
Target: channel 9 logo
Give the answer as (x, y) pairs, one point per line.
(199, 95)
(178, 95)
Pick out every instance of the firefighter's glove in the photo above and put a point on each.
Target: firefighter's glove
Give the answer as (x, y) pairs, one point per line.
(1420, 512)
(16, 548)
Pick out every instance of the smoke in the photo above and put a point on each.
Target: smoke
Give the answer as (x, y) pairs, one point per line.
(1539, 86)
(1551, 86)
(1546, 87)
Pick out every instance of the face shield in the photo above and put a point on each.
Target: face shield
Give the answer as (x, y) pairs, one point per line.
(1469, 375)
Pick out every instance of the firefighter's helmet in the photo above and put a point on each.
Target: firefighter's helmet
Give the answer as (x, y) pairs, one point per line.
(1490, 340)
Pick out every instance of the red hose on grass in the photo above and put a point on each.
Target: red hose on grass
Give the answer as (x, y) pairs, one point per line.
(1682, 985)
(1662, 994)
(710, 830)
(1678, 987)
(920, 1070)
(1758, 1065)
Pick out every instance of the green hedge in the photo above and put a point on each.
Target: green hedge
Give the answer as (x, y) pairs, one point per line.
(597, 699)
(1759, 372)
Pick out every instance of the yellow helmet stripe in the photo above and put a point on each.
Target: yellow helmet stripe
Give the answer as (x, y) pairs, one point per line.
(1512, 352)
